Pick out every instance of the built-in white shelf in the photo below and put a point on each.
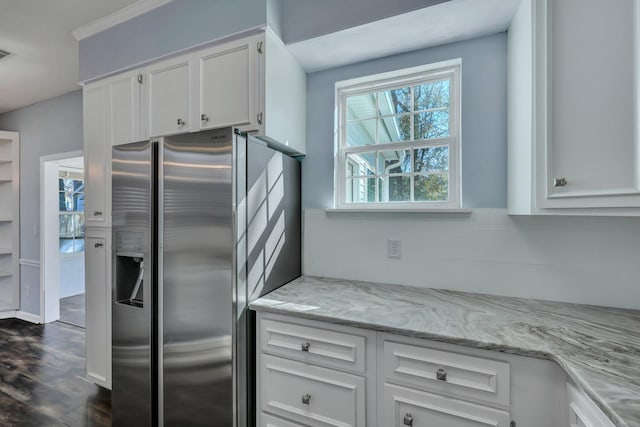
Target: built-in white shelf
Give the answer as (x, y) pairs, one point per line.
(9, 221)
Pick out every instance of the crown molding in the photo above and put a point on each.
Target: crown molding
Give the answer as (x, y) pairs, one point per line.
(118, 17)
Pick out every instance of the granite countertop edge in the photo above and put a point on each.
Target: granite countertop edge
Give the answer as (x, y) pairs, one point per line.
(287, 308)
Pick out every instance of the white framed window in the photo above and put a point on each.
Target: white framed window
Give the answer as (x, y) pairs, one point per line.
(398, 139)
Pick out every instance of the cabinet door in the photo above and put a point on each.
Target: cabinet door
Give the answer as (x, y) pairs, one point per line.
(168, 96)
(229, 85)
(407, 407)
(97, 156)
(587, 103)
(98, 305)
(124, 111)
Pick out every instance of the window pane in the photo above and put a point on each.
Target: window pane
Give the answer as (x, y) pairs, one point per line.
(66, 226)
(361, 190)
(394, 129)
(78, 245)
(394, 101)
(78, 225)
(431, 159)
(361, 164)
(431, 125)
(431, 95)
(66, 246)
(78, 186)
(361, 133)
(431, 188)
(78, 200)
(361, 106)
(397, 161)
(395, 189)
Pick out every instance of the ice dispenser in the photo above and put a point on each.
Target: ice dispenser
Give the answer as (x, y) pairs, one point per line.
(129, 268)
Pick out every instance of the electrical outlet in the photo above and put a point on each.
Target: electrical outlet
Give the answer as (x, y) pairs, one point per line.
(394, 249)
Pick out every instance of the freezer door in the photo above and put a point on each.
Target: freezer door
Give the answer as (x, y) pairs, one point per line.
(133, 257)
(196, 297)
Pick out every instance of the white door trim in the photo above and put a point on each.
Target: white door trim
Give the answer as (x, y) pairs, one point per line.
(49, 257)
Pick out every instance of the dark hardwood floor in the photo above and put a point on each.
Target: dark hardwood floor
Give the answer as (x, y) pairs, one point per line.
(41, 377)
(72, 310)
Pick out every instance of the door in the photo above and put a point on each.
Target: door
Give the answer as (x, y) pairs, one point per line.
(168, 97)
(124, 93)
(133, 291)
(197, 289)
(229, 85)
(97, 154)
(98, 302)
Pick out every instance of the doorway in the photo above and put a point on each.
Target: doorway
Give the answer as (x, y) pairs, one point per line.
(62, 239)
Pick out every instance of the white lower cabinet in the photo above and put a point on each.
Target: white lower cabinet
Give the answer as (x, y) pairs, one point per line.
(403, 406)
(98, 299)
(310, 394)
(313, 373)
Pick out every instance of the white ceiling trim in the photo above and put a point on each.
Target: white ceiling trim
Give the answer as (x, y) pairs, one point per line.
(118, 17)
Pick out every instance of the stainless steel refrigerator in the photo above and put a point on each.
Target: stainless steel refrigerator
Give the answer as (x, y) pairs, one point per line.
(202, 224)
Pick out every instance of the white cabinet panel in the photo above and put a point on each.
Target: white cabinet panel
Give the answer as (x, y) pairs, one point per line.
(98, 301)
(582, 411)
(447, 372)
(267, 420)
(229, 85)
(311, 395)
(124, 95)
(168, 97)
(97, 156)
(406, 407)
(313, 345)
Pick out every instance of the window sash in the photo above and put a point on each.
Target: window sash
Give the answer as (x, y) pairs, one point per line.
(436, 74)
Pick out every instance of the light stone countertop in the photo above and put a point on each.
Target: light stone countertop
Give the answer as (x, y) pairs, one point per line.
(598, 347)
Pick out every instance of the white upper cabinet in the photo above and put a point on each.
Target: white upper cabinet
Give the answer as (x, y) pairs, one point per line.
(97, 156)
(168, 97)
(228, 78)
(124, 110)
(574, 108)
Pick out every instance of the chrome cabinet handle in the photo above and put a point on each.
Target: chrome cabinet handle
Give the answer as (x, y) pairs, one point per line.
(441, 375)
(97, 213)
(559, 182)
(181, 122)
(306, 398)
(408, 420)
(305, 347)
(204, 118)
(98, 245)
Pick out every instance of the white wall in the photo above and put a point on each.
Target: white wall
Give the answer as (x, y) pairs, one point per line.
(589, 260)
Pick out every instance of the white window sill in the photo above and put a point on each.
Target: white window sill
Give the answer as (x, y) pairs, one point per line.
(425, 212)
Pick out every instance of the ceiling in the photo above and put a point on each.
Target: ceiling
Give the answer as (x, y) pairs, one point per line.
(44, 59)
(442, 23)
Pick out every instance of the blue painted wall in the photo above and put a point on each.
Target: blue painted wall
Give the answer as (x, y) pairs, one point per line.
(177, 25)
(484, 119)
(48, 127)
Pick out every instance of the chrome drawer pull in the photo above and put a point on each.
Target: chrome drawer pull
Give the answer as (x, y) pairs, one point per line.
(306, 398)
(559, 182)
(97, 213)
(408, 420)
(181, 122)
(305, 347)
(441, 375)
(97, 245)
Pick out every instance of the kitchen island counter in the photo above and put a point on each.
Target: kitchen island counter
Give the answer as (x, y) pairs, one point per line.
(598, 347)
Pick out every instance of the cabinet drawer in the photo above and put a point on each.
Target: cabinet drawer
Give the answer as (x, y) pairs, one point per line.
(311, 395)
(447, 372)
(267, 420)
(583, 412)
(406, 407)
(313, 345)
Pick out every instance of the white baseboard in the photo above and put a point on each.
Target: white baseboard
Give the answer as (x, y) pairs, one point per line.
(22, 315)
(29, 317)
